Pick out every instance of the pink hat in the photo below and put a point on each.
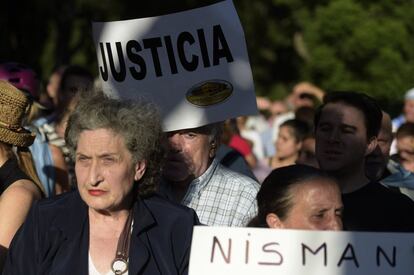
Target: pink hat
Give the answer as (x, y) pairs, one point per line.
(22, 77)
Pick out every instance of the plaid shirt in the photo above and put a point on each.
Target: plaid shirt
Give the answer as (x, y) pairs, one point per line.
(221, 197)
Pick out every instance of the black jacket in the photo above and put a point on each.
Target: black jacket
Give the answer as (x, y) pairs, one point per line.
(55, 238)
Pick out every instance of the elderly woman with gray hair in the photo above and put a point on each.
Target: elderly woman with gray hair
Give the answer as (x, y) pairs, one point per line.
(114, 221)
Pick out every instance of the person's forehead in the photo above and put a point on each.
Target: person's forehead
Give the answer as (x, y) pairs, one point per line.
(339, 111)
(101, 139)
(101, 134)
(316, 187)
(199, 130)
(286, 129)
(406, 140)
(340, 105)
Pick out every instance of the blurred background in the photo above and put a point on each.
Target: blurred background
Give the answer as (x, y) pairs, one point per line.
(337, 45)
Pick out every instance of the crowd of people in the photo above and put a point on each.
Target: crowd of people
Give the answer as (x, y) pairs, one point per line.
(92, 184)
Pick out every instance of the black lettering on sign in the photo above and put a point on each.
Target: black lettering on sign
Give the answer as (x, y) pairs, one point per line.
(266, 249)
(118, 76)
(170, 53)
(203, 48)
(132, 49)
(246, 251)
(216, 243)
(114, 61)
(103, 70)
(392, 262)
(224, 50)
(307, 248)
(351, 257)
(183, 38)
(153, 44)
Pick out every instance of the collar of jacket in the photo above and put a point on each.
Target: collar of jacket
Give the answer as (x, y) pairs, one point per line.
(74, 224)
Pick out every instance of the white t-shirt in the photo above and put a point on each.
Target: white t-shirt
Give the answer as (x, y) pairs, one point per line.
(93, 271)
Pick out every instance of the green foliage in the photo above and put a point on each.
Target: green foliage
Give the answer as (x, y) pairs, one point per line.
(338, 45)
(363, 47)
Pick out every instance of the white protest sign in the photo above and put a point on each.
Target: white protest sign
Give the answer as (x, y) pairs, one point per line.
(246, 251)
(193, 64)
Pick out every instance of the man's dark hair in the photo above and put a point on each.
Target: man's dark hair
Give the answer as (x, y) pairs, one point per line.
(366, 104)
(405, 130)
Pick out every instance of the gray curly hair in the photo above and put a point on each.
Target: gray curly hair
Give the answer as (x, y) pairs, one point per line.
(138, 122)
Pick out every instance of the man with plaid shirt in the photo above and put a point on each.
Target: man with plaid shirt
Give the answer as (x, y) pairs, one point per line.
(194, 177)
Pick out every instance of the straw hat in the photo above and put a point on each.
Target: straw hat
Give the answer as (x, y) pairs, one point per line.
(13, 109)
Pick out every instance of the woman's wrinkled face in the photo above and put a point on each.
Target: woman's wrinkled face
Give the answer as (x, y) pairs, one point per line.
(316, 205)
(105, 171)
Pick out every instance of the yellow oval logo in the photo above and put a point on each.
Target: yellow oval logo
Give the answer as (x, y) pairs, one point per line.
(209, 92)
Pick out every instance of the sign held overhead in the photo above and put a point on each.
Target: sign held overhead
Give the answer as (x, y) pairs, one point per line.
(192, 64)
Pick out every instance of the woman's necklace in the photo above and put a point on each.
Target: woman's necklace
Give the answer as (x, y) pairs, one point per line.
(120, 263)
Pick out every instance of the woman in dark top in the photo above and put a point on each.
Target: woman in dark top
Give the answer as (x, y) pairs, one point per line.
(19, 184)
(113, 221)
